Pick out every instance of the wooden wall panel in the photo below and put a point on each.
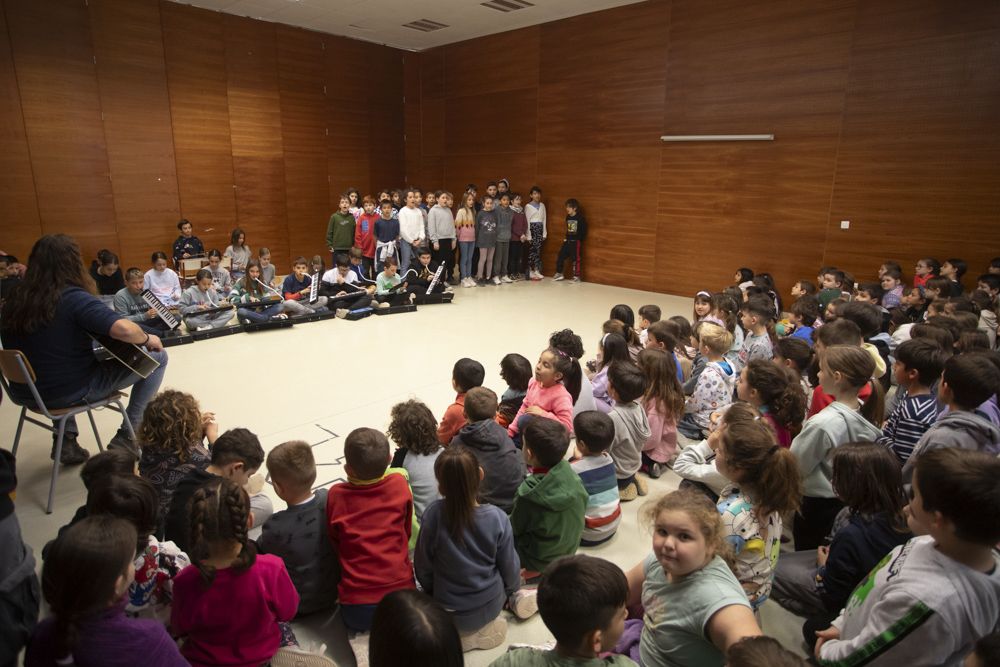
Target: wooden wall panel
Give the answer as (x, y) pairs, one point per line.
(494, 122)
(385, 116)
(302, 81)
(255, 125)
(918, 173)
(199, 109)
(597, 92)
(18, 203)
(131, 73)
(54, 61)
(503, 62)
(350, 94)
(738, 68)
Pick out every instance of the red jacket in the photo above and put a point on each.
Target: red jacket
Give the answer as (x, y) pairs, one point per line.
(364, 234)
(453, 420)
(370, 527)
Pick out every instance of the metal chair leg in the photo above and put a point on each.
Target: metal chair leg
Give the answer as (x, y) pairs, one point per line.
(56, 456)
(17, 434)
(97, 436)
(128, 423)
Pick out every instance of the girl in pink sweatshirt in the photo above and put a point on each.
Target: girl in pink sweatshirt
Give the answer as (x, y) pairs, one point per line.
(547, 396)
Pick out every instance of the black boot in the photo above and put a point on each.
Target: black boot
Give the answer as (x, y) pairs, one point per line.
(72, 453)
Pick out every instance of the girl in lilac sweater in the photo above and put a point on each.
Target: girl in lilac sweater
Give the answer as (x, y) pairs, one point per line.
(86, 574)
(547, 396)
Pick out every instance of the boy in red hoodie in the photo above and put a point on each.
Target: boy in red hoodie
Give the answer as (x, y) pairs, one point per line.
(369, 518)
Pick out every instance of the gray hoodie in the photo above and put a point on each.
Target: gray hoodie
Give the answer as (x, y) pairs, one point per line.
(960, 429)
(834, 425)
(440, 223)
(631, 433)
(917, 607)
(502, 463)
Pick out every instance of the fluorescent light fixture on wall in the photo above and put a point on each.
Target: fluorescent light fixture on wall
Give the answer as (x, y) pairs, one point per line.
(717, 137)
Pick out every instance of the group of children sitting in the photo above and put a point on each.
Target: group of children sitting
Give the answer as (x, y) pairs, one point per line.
(895, 509)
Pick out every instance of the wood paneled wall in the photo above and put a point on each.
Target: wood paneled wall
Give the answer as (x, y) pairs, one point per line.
(118, 117)
(884, 114)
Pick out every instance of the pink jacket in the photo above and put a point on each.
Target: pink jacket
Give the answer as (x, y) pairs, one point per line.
(554, 400)
(662, 443)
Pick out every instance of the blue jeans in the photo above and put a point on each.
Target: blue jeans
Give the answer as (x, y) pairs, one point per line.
(465, 263)
(406, 253)
(258, 316)
(109, 377)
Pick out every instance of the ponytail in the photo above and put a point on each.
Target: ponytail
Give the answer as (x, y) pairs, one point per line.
(873, 409)
(769, 472)
(780, 391)
(457, 473)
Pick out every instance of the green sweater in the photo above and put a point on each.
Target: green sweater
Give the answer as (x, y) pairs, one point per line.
(340, 231)
(548, 516)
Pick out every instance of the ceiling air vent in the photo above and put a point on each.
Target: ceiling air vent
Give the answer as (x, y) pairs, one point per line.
(425, 25)
(507, 5)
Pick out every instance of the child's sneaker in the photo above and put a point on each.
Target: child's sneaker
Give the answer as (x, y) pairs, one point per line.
(383, 305)
(293, 656)
(524, 602)
(359, 645)
(536, 275)
(506, 279)
(630, 492)
(342, 313)
(496, 280)
(558, 276)
(576, 279)
(489, 636)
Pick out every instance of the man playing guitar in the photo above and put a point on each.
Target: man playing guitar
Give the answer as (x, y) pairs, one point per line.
(51, 317)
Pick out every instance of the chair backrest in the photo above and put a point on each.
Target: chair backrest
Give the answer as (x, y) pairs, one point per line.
(16, 367)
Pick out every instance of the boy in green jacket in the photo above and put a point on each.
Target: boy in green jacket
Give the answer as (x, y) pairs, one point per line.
(549, 506)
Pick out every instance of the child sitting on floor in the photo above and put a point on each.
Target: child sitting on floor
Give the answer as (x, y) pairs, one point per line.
(582, 602)
(465, 375)
(370, 522)
(550, 505)
(594, 434)
(297, 534)
(626, 385)
(412, 428)
(714, 388)
(502, 463)
(516, 371)
(928, 601)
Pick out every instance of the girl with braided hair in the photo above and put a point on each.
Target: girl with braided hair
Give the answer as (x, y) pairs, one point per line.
(84, 580)
(233, 606)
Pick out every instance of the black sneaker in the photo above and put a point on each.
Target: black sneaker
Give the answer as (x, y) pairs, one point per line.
(72, 453)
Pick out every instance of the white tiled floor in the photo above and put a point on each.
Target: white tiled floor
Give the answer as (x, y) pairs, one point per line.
(317, 381)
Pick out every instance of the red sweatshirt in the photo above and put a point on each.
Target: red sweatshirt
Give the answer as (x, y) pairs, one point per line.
(364, 233)
(370, 526)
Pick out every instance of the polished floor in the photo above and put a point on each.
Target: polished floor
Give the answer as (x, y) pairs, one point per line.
(318, 381)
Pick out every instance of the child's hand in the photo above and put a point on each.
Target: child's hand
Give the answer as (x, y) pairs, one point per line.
(824, 636)
(535, 410)
(822, 554)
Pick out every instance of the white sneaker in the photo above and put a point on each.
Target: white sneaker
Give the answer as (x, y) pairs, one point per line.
(558, 276)
(524, 602)
(489, 636)
(294, 656)
(576, 279)
(383, 305)
(342, 313)
(359, 645)
(496, 280)
(506, 279)
(468, 282)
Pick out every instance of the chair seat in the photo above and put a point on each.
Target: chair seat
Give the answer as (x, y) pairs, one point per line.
(59, 412)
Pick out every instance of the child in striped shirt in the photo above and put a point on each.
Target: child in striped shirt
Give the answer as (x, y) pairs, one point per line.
(594, 433)
(919, 362)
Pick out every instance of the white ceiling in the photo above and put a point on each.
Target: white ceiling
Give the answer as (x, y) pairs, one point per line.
(381, 21)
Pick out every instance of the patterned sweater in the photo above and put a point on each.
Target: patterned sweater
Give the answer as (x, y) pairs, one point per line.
(713, 391)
